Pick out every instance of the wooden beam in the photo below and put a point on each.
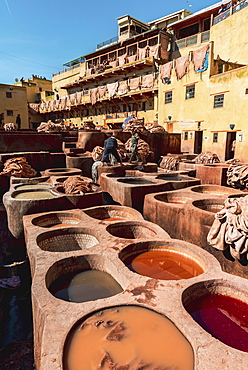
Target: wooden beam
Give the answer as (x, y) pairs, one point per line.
(117, 106)
(106, 107)
(136, 101)
(146, 98)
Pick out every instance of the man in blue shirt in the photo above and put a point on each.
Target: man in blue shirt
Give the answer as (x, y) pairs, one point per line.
(110, 147)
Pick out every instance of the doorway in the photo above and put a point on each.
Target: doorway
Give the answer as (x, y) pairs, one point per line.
(198, 142)
(230, 145)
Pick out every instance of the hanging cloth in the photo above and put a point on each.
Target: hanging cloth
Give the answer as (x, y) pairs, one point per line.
(142, 52)
(131, 58)
(165, 70)
(199, 56)
(154, 51)
(78, 97)
(123, 87)
(182, 64)
(102, 90)
(122, 59)
(93, 95)
(147, 81)
(112, 88)
(134, 83)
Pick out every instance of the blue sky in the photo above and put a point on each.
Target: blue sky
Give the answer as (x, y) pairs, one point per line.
(37, 37)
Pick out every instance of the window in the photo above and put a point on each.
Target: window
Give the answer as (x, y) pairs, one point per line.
(9, 112)
(40, 89)
(168, 97)
(188, 31)
(246, 91)
(186, 135)
(219, 101)
(190, 92)
(215, 137)
(8, 94)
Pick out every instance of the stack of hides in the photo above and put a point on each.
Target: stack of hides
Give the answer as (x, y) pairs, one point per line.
(143, 148)
(155, 128)
(18, 167)
(169, 163)
(135, 125)
(230, 228)
(52, 127)
(206, 158)
(78, 185)
(237, 176)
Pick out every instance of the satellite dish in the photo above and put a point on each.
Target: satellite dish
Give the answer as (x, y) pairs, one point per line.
(16, 79)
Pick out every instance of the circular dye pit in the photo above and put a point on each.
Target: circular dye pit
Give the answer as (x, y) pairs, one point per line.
(33, 186)
(65, 240)
(130, 231)
(56, 220)
(225, 318)
(172, 198)
(39, 194)
(175, 178)
(210, 205)
(113, 213)
(135, 181)
(85, 286)
(214, 190)
(127, 337)
(163, 264)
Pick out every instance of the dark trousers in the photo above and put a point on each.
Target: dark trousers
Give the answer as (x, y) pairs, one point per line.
(110, 151)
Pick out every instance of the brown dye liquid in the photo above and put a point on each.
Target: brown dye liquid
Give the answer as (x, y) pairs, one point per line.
(34, 195)
(85, 286)
(128, 335)
(164, 265)
(113, 219)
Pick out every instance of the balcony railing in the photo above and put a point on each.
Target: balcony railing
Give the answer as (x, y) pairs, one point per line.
(107, 42)
(66, 70)
(222, 16)
(194, 39)
(240, 6)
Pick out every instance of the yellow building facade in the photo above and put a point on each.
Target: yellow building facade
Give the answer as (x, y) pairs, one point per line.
(206, 104)
(13, 102)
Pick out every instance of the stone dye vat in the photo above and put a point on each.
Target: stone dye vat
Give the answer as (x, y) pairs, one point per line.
(135, 230)
(113, 213)
(62, 172)
(130, 191)
(56, 320)
(19, 202)
(82, 161)
(193, 212)
(79, 280)
(166, 261)
(220, 309)
(33, 186)
(127, 337)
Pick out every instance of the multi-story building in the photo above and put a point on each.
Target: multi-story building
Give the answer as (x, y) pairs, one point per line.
(38, 89)
(13, 102)
(187, 71)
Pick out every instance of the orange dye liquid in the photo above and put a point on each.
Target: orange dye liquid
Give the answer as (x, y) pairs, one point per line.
(127, 337)
(164, 265)
(113, 219)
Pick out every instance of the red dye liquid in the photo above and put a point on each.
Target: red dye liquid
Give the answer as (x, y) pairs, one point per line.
(223, 317)
(164, 265)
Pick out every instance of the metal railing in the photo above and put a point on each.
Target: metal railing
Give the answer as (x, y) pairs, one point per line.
(222, 16)
(107, 42)
(183, 43)
(205, 36)
(240, 6)
(66, 70)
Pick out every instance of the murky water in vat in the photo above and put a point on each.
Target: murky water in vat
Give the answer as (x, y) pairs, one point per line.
(164, 265)
(225, 318)
(85, 286)
(34, 195)
(128, 335)
(33, 186)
